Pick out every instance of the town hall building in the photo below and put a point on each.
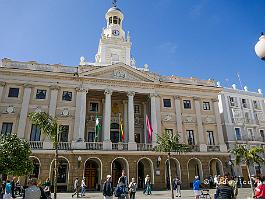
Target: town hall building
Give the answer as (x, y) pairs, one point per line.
(114, 90)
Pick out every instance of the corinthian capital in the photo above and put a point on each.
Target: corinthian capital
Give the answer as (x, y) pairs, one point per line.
(55, 87)
(108, 92)
(130, 93)
(81, 89)
(154, 95)
(27, 85)
(177, 97)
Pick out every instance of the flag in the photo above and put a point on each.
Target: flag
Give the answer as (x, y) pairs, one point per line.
(149, 128)
(121, 129)
(97, 128)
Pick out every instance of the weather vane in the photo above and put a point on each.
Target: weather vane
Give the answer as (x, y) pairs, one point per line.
(114, 3)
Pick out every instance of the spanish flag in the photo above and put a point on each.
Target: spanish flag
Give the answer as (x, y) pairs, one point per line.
(121, 129)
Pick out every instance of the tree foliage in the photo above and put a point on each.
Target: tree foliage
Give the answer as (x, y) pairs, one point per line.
(15, 156)
(249, 156)
(167, 142)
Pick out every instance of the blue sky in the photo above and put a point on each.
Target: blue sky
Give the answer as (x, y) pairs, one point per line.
(188, 38)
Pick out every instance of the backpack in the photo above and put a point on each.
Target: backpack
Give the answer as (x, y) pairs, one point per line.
(8, 188)
(118, 191)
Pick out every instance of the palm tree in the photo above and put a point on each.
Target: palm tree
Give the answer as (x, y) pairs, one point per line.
(248, 156)
(169, 142)
(49, 127)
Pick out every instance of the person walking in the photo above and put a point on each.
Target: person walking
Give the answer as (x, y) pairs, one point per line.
(177, 186)
(13, 185)
(260, 189)
(32, 192)
(132, 188)
(196, 187)
(3, 187)
(123, 183)
(232, 183)
(47, 188)
(108, 188)
(147, 183)
(224, 191)
(83, 187)
(8, 190)
(76, 188)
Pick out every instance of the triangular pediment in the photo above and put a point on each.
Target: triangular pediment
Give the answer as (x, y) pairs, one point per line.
(121, 72)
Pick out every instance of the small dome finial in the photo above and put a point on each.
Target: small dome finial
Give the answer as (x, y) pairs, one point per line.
(114, 3)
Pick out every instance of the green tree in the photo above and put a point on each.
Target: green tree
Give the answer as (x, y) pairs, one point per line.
(168, 142)
(14, 156)
(49, 126)
(249, 156)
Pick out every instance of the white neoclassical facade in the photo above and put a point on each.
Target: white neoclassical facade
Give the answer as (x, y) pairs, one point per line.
(113, 89)
(243, 120)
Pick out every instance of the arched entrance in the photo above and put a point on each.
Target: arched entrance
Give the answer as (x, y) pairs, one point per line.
(216, 167)
(92, 174)
(194, 169)
(117, 166)
(36, 167)
(144, 167)
(114, 133)
(63, 174)
(175, 170)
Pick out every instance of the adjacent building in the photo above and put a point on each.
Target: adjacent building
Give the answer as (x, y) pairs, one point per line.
(243, 120)
(117, 92)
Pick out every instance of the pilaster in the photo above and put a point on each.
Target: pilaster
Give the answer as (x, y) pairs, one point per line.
(179, 119)
(154, 121)
(2, 85)
(107, 145)
(131, 144)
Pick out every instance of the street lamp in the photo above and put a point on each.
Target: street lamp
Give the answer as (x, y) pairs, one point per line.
(260, 47)
(158, 161)
(79, 159)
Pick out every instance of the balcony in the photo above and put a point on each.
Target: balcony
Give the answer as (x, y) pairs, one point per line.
(94, 145)
(64, 145)
(195, 148)
(120, 146)
(144, 147)
(213, 148)
(35, 145)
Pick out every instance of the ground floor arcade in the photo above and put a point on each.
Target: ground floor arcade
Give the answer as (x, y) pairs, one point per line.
(95, 167)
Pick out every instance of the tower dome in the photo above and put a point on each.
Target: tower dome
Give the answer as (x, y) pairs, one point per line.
(114, 16)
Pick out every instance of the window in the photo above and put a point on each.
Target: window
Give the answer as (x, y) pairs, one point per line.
(238, 134)
(244, 103)
(6, 128)
(261, 131)
(67, 96)
(41, 94)
(93, 106)
(136, 109)
(169, 131)
(91, 136)
(115, 20)
(13, 92)
(187, 104)
(210, 138)
(64, 130)
(206, 105)
(250, 135)
(191, 140)
(256, 104)
(232, 101)
(167, 103)
(35, 133)
(110, 20)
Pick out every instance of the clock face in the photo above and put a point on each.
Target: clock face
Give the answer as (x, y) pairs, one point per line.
(115, 32)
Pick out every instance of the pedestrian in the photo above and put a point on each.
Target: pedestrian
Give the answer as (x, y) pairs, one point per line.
(232, 183)
(2, 191)
(43, 195)
(132, 188)
(32, 192)
(108, 188)
(47, 188)
(83, 187)
(123, 184)
(177, 186)
(260, 189)
(8, 190)
(13, 185)
(147, 183)
(196, 187)
(224, 191)
(76, 188)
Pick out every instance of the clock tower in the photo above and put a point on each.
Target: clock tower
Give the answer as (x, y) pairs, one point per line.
(114, 46)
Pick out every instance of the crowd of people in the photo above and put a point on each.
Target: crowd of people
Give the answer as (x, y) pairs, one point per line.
(226, 187)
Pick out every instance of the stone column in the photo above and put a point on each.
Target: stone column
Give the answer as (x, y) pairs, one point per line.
(107, 145)
(154, 118)
(144, 137)
(203, 146)
(80, 117)
(220, 134)
(53, 100)
(179, 119)
(24, 111)
(125, 120)
(131, 144)
(2, 85)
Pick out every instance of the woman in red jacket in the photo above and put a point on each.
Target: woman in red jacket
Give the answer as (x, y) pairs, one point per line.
(260, 189)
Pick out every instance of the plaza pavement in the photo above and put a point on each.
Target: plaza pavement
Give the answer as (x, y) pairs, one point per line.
(243, 194)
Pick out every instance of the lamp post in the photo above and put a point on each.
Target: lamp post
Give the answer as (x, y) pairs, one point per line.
(260, 47)
(79, 159)
(158, 161)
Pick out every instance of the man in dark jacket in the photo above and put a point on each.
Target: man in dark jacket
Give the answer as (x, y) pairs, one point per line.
(224, 191)
(13, 184)
(107, 188)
